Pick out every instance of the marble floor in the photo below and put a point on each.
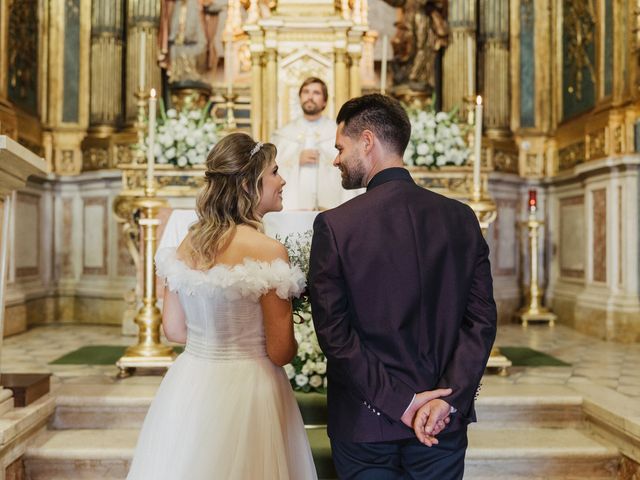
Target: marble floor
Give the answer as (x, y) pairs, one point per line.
(608, 364)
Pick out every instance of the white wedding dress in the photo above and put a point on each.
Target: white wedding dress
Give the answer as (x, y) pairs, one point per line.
(224, 410)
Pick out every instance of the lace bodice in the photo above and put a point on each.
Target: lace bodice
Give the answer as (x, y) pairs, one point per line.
(222, 304)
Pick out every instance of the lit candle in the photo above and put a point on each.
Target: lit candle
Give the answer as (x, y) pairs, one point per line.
(383, 65)
(470, 61)
(152, 137)
(142, 64)
(478, 147)
(533, 200)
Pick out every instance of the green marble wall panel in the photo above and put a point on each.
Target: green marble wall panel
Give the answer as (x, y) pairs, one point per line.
(71, 63)
(608, 47)
(527, 64)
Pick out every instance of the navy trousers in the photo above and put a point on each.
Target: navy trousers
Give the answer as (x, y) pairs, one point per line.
(402, 459)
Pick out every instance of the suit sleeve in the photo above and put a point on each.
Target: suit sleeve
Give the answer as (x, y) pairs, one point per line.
(476, 336)
(349, 359)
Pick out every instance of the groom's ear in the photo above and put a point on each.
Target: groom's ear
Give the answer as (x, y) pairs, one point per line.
(367, 139)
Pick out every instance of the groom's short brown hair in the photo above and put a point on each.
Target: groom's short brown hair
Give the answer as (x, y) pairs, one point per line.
(381, 114)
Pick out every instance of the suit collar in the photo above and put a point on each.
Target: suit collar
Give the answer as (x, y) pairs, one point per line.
(388, 175)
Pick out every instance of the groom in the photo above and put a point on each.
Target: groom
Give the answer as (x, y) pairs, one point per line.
(402, 300)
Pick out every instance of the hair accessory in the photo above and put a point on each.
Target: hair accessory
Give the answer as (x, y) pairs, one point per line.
(255, 149)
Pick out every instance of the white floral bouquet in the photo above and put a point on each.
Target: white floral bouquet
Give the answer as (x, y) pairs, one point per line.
(307, 371)
(183, 138)
(436, 138)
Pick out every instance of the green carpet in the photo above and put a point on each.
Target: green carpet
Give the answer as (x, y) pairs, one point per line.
(109, 354)
(528, 357)
(96, 355)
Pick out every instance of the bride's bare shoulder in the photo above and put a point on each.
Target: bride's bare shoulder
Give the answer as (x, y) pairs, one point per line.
(260, 246)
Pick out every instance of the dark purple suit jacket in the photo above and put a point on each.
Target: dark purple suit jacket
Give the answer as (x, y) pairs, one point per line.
(402, 301)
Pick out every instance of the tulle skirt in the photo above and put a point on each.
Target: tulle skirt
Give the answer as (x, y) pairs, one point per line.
(223, 420)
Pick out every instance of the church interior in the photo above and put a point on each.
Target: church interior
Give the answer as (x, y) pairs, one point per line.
(544, 96)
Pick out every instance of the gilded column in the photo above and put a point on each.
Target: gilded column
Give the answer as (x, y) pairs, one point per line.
(355, 37)
(635, 43)
(459, 59)
(143, 17)
(65, 112)
(494, 35)
(105, 108)
(107, 32)
(536, 94)
(342, 86)
(621, 62)
(257, 48)
(256, 97)
(355, 87)
(271, 94)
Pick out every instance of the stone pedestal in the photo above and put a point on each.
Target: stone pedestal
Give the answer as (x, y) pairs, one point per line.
(16, 164)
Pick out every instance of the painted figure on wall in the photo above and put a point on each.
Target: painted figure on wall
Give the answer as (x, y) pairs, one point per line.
(422, 31)
(187, 39)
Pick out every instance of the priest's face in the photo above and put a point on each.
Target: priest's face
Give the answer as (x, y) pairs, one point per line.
(350, 160)
(312, 99)
(271, 194)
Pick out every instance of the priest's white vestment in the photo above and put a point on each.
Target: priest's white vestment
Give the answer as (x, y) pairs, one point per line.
(309, 187)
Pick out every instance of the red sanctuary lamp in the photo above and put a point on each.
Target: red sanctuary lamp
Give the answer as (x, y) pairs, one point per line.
(533, 201)
(534, 310)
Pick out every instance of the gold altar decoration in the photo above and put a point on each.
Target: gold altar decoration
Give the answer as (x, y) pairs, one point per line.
(533, 311)
(290, 46)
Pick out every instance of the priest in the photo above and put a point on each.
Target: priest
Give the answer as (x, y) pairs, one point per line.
(306, 150)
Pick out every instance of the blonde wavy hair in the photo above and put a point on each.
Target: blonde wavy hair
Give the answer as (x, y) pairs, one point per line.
(230, 196)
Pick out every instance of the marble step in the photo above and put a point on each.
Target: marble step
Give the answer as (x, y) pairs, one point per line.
(124, 406)
(505, 454)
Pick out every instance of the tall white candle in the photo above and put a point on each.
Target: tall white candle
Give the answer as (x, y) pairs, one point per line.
(477, 160)
(142, 63)
(152, 137)
(383, 64)
(470, 74)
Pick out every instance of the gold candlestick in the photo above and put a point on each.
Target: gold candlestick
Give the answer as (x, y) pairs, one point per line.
(149, 352)
(534, 311)
(486, 212)
(230, 99)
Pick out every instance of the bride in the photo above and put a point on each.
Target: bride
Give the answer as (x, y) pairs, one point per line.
(225, 409)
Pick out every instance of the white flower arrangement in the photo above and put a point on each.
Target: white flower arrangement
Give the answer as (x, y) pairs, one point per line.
(307, 372)
(183, 138)
(436, 140)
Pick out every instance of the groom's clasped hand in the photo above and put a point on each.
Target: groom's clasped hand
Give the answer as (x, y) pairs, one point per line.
(428, 415)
